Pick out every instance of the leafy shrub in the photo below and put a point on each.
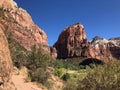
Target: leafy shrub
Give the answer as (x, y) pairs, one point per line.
(36, 59)
(103, 77)
(37, 64)
(70, 85)
(66, 76)
(39, 75)
(18, 53)
(106, 77)
(58, 64)
(60, 72)
(67, 64)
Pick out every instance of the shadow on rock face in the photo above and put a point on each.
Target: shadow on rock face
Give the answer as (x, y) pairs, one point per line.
(90, 61)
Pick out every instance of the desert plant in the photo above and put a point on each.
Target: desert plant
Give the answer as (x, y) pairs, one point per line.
(60, 72)
(102, 77)
(36, 59)
(39, 75)
(70, 85)
(18, 52)
(37, 63)
(106, 77)
(66, 76)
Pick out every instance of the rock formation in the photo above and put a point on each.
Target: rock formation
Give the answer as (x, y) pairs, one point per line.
(73, 42)
(5, 64)
(114, 45)
(101, 48)
(19, 24)
(107, 48)
(53, 53)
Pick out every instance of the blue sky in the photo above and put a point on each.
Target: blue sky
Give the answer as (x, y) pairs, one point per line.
(99, 17)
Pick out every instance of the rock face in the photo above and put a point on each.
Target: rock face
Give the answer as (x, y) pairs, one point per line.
(5, 64)
(53, 53)
(72, 42)
(19, 24)
(114, 45)
(101, 48)
(107, 48)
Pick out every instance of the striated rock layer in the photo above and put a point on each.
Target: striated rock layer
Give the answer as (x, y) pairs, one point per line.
(5, 64)
(73, 42)
(20, 25)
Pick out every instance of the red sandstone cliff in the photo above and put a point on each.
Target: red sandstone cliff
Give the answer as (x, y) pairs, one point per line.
(73, 42)
(20, 25)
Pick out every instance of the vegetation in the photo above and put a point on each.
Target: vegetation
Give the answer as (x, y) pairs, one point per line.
(18, 53)
(71, 64)
(2, 16)
(105, 77)
(37, 64)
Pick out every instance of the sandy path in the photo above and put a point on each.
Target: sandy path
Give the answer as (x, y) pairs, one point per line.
(20, 83)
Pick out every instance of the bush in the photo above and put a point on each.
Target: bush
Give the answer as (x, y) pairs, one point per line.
(67, 64)
(39, 75)
(58, 64)
(18, 53)
(102, 77)
(66, 76)
(35, 59)
(70, 85)
(60, 72)
(106, 77)
(38, 63)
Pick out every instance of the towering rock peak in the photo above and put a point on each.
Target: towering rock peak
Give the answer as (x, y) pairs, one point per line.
(19, 24)
(5, 64)
(71, 41)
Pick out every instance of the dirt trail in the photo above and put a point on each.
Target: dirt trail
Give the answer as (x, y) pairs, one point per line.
(20, 83)
(19, 77)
